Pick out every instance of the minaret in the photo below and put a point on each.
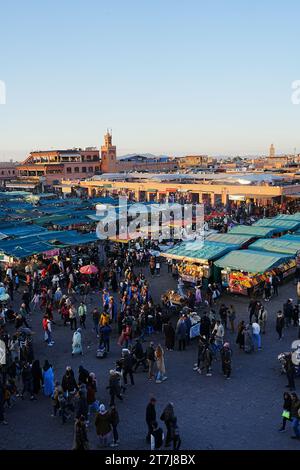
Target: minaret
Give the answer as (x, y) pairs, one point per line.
(272, 151)
(108, 154)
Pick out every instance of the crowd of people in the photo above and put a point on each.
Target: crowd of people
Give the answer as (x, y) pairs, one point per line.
(56, 291)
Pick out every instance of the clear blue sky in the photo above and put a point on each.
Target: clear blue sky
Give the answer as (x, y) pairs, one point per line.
(168, 76)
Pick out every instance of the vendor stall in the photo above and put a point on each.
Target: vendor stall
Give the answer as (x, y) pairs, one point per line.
(288, 247)
(196, 259)
(245, 272)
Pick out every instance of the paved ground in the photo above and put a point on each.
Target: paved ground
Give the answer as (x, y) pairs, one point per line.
(213, 413)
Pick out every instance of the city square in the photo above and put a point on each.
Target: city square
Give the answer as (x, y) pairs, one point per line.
(149, 231)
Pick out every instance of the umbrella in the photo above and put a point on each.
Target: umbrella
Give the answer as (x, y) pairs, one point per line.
(89, 269)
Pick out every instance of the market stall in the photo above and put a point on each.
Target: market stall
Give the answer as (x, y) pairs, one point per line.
(288, 247)
(244, 272)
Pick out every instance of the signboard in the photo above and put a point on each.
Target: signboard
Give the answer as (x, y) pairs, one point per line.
(66, 189)
(51, 253)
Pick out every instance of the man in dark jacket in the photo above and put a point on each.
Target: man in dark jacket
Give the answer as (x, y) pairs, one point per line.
(128, 367)
(167, 417)
(139, 356)
(295, 408)
(226, 355)
(2, 420)
(181, 332)
(83, 375)
(105, 332)
(150, 417)
(150, 356)
(205, 326)
(68, 381)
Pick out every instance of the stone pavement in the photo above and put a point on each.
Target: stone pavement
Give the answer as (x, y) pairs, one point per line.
(213, 413)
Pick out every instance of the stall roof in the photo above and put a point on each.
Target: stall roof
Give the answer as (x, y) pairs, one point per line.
(73, 221)
(253, 231)
(281, 224)
(251, 261)
(27, 246)
(294, 217)
(23, 250)
(21, 230)
(197, 251)
(294, 237)
(229, 238)
(277, 245)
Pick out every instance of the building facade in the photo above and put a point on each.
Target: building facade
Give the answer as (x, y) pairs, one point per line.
(52, 166)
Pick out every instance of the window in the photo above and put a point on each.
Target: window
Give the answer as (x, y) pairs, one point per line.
(76, 169)
(97, 168)
(69, 169)
(84, 169)
(90, 169)
(9, 172)
(13, 172)
(2, 172)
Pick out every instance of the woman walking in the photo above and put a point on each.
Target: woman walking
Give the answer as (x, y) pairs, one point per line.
(240, 339)
(80, 435)
(160, 363)
(37, 377)
(279, 324)
(169, 333)
(286, 413)
(248, 339)
(76, 342)
(103, 425)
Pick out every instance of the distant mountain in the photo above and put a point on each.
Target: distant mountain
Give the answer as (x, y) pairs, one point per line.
(147, 155)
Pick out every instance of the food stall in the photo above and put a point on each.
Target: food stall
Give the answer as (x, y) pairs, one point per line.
(244, 272)
(195, 259)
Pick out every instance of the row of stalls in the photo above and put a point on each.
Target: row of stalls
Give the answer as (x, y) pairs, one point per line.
(244, 258)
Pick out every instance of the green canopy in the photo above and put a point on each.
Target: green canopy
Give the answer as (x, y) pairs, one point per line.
(198, 251)
(251, 261)
(282, 224)
(253, 231)
(277, 246)
(228, 238)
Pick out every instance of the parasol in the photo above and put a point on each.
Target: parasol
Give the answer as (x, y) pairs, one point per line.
(89, 269)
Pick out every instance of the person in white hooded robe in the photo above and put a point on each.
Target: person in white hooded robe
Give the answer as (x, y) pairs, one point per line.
(76, 342)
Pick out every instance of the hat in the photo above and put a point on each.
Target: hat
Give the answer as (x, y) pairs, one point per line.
(102, 409)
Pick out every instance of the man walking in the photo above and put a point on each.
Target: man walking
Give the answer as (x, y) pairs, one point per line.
(150, 417)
